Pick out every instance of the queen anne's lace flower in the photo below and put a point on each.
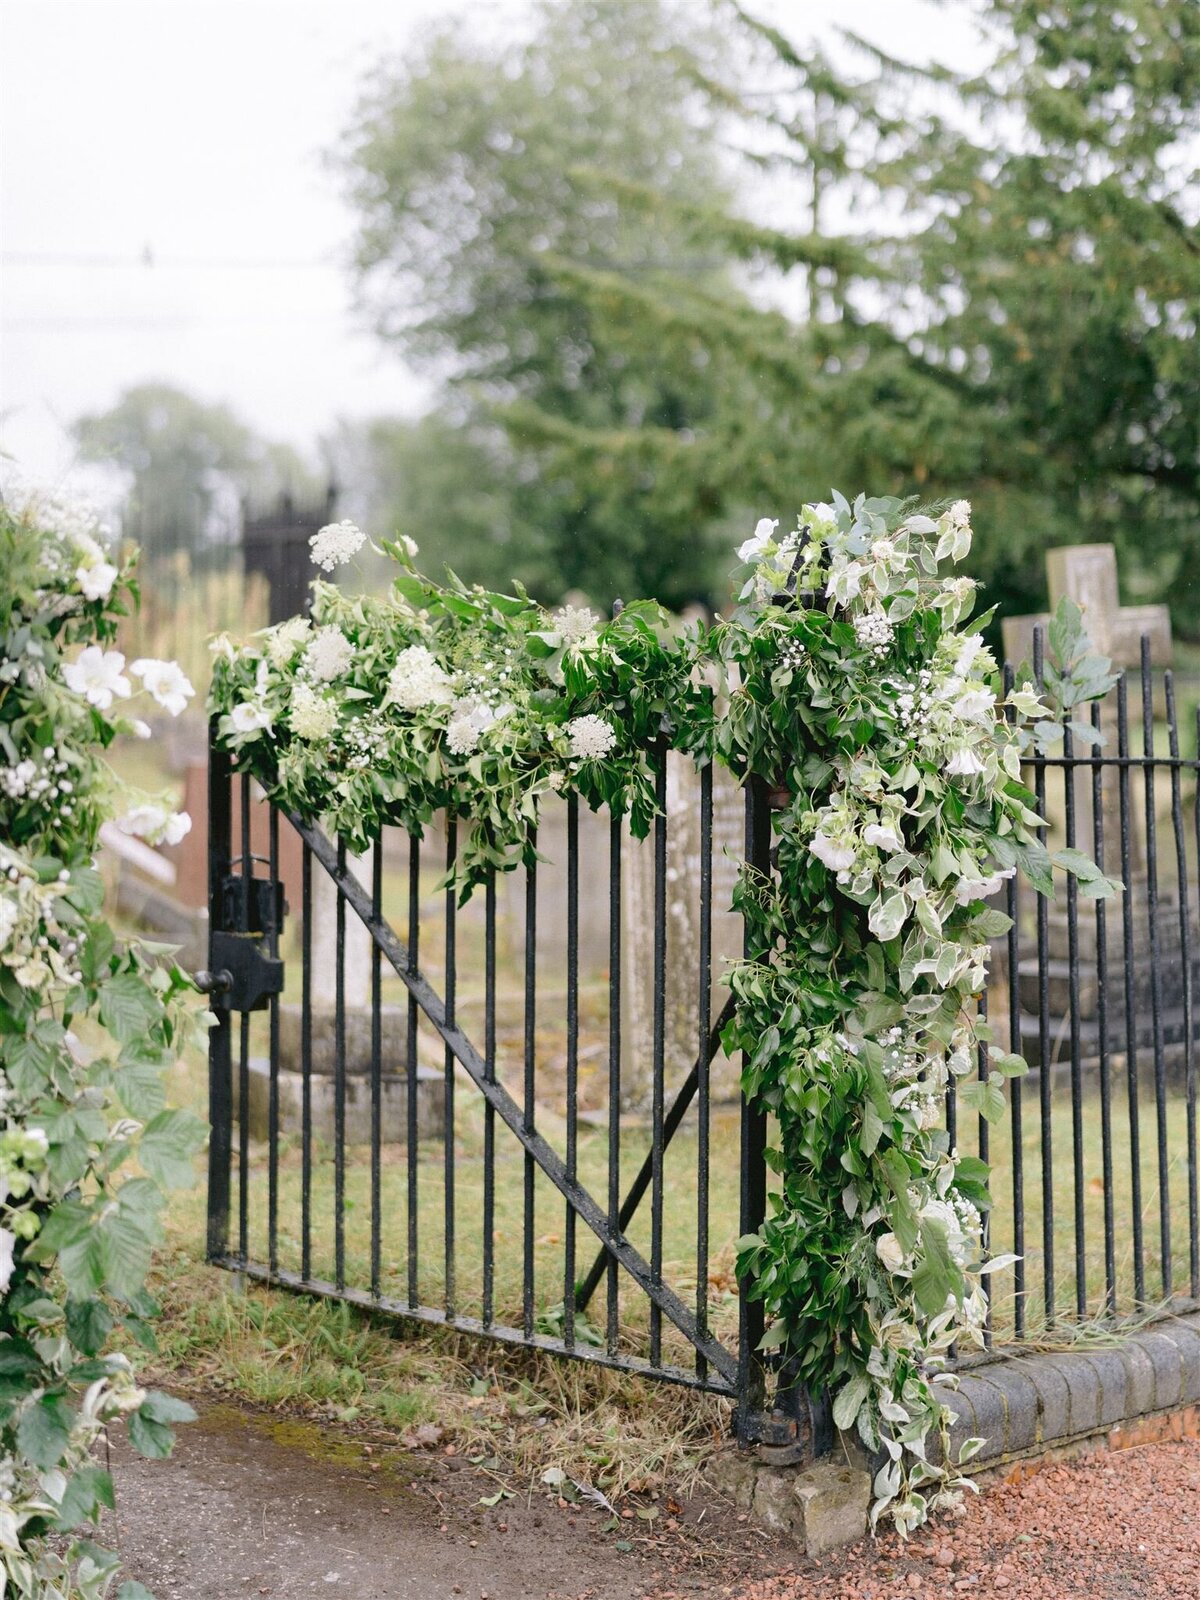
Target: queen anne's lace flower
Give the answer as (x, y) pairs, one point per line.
(99, 676)
(577, 625)
(310, 714)
(591, 737)
(166, 681)
(283, 641)
(335, 544)
(328, 655)
(418, 680)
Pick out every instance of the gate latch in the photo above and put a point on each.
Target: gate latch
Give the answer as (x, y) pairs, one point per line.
(242, 977)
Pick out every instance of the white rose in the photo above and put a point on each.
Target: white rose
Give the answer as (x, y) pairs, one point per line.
(887, 1248)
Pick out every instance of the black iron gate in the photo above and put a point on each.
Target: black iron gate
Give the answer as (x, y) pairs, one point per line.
(341, 1164)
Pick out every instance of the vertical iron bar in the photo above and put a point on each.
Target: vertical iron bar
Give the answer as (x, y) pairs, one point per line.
(614, 1073)
(1131, 1041)
(306, 872)
(529, 1113)
(247, 865)
(659, 1048)
(339, 1083)
(1185, 945)
(572, 1063)
(1046, 1068)
(448, 1061)
(1073, 1004)
(412, 1062)
(984, 1146)
(751, 1396)
(704, 1024)
(489, 1113)
(273, 1063)
(1106, 1154)
(1015, 1087)
(220, 1041)
(376, 1066)
(1149, 773)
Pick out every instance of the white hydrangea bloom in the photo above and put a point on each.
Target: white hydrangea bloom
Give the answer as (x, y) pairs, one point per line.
(166, 681)
(418, 680)
(591, 737)
(335, 544)
(328, 655)
(98, 675)
(312, 715)
(285, 639)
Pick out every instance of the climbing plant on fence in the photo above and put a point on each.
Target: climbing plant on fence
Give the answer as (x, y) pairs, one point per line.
(88, 1147)
(852, 681)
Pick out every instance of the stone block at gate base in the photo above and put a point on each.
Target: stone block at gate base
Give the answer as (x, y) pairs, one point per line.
(822, 1506)
(393, 1118)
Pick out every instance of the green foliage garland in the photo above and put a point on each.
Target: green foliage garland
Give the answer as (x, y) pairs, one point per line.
(871, 708)
(87, 1025)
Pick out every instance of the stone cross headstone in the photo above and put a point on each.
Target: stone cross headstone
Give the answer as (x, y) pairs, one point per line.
(1087, 574)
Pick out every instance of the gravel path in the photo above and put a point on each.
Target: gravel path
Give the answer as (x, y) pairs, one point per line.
(1124, 1526)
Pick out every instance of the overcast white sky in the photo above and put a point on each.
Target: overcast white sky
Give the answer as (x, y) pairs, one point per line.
(192, 130)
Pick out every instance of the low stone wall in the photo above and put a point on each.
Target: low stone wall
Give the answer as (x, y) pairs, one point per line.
(1030, 1407)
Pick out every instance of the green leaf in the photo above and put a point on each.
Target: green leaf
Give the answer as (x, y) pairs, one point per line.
(168, 1144)
(44, 1430)
(88, 1492)
(849, 1401)
(935, 1277)
(128, 1007)
(89, 1323)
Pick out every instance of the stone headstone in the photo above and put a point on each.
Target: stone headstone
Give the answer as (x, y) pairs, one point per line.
(1087, 574)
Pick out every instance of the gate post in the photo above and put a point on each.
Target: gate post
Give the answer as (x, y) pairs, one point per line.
(220, 1041)
(752, 1391)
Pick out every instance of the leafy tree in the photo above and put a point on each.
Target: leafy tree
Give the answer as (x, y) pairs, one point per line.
(486, 256)
(190, 466)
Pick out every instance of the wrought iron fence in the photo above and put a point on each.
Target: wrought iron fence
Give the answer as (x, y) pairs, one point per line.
(512, 1117)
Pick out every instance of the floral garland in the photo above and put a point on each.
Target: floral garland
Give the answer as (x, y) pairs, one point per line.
(871, 710)
(76, 1231)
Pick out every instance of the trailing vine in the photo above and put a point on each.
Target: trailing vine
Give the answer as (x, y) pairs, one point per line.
(850, 680)
(88, 1146)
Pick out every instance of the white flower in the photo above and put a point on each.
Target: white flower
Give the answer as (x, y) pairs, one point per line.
(890, 1253)
(968, 651)
(968, 889)
(8, 1245)
(837, 855)
(411, 547)
(311, 715)
(577, 625)
(155, 823)
(964, 763)
(764, 533)
(874, 632)
(166, 681)
(98, 675)
(335, 544)
(977, 705)
(941, 1211)
(284, 640)
(591, 737)
(883, 838)
(470, 718)
(96, 581)
(9, 915)
(845, 581)
(960, 514)
(140, 729)
(246, 717)
(417, 680)
(220, 648)
(328, 655)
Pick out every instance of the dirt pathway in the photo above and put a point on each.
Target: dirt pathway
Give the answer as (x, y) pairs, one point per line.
(254, 1505)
